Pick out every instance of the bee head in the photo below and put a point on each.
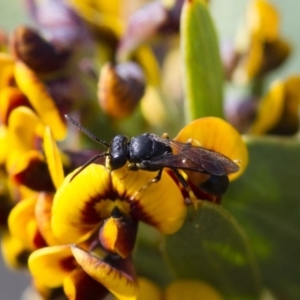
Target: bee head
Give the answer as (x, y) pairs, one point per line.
(117, 152)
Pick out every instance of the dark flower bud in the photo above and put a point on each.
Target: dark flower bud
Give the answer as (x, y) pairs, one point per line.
(38, 54)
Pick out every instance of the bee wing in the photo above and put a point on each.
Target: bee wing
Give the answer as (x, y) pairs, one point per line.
(177, 161)
(198, 159)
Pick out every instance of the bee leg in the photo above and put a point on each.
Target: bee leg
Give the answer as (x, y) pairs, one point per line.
(192, 199)
(165, 136)
(157, 177)
(148, 184)
(193, 142)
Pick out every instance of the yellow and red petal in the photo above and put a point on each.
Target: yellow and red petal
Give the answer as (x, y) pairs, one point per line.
(158, 204)
(11, 97)
(53, 158)
(32, 171)
(217, 135)
(283, 99)
(191, 289)
(43, 213)
(118, 233)
(80, 205)
(51, 265)
(79, 285)
(121, 284)
(40, 99)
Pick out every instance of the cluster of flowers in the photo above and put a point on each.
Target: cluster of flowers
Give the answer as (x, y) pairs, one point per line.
(77, 234)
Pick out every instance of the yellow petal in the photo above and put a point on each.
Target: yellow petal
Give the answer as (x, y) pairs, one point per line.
(21, 138)
(147, 60)
(217, 135)
(152, 107)
(40, 99)
(51, 265)
(148, 290)
(102, 21)
(6, 69)
(21, 222)
(3, 142)
(119, 284)
(14, 251)
(191, 289)
(264, 19)
(43, 213)
(79, 285)
(272, 102)
(53, 158)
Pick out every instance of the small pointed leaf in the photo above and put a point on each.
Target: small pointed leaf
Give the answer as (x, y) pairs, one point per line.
(202, 68)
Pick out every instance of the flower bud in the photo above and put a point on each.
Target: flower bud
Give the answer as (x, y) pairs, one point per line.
(59, 23)
(120, 88)
(38, 54)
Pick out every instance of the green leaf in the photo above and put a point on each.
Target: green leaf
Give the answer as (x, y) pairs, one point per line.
(202, 68)
(212, 247)
(148, 259)
(265, 200)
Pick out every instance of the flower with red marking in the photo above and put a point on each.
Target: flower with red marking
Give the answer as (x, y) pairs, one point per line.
(259, 48)
(283, 99)
(112, 204)
(219, 136)
(83, 274)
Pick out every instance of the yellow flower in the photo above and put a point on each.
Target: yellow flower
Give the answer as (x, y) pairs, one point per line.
(259, 47)
(29, 220)
(83, 273)
(217, 135)
(283, 99)
(111, 203)
(182, 289)
(20, 86)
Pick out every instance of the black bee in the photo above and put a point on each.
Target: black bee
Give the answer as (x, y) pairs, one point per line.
(151, 152)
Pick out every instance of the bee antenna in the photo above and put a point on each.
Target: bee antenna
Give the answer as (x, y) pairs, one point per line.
(91, 160)
(87, 132)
